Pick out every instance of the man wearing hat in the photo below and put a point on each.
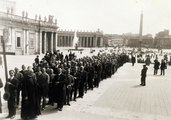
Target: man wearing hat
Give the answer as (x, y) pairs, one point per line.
(143, 75)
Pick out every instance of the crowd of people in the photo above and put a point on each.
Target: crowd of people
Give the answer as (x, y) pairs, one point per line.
(152, 58)
(57, 78)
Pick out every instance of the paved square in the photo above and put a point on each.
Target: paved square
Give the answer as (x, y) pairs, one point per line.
(118, 98)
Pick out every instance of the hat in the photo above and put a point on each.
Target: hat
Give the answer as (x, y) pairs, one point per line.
(6, 96)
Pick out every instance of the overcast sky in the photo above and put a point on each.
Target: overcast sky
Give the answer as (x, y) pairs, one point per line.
(111, 16)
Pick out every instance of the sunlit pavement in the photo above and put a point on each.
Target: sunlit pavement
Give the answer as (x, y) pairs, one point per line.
(118, 98)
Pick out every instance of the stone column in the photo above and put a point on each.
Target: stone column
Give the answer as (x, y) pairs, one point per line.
(60, 40)
(82, 43)
(79, 42)
(51, 42)
(45, 42)
(72, 40)
(57, 40)
(87, 42)
(101, 42)
(69, 39)
(36, 41)
(24, 42)
(66, 38)
(92, 41)
(64, 41)
(27, 41)
(40, 42)
(95, 41)
(54, 41)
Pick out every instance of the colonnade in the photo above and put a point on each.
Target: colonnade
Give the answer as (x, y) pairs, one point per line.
(67, 41)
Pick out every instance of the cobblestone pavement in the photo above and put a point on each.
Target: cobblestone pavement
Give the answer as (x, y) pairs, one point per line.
(118, 98)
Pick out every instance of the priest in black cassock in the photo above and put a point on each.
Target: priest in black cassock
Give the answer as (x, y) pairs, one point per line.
(30, 106)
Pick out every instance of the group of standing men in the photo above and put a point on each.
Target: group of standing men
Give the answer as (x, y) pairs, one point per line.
(162, 66)
(59, 78)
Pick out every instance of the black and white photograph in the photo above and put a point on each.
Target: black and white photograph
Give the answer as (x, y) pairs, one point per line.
(85, 60)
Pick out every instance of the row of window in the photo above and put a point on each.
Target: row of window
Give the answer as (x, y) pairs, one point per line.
(31, 42)
(18, 42)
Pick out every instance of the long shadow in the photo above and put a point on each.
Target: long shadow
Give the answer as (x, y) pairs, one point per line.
(49, 110)
(136, 86)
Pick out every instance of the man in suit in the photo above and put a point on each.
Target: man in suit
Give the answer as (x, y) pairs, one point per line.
(133, 60)
(163, 67)
(143, 75)
(83, 80)
(69, 85)
(11, 87)
(156, 66)
(19, 76)
(91, 76)
(44, 85)
(75, 87)
(59, 89)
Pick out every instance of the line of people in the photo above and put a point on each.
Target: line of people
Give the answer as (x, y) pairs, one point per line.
(58, 78)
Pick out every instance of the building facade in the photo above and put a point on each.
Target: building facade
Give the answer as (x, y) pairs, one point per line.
(134, 41)
(163, 40)
(28, 36)
(85, 39)
(114, 40)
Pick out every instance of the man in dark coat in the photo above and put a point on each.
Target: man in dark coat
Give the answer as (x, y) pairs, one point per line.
(163, 67)
(98, 69)
(75, 87)
(37, 60)
(11, 87)
(133, 60)
(50, 93)
(83, 80)
(30, 104)
(19, 76)
(23, 67)
(91, 76)
(1, 85)
(156, 66)
(69, 84)
(43, 83)
(59, 89)
(143, 75)
(108, 68)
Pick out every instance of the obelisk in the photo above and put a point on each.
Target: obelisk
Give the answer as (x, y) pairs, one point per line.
(141, 30)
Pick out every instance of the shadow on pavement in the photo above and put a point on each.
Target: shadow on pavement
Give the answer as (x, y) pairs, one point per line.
(136, 86)
(49, 110)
